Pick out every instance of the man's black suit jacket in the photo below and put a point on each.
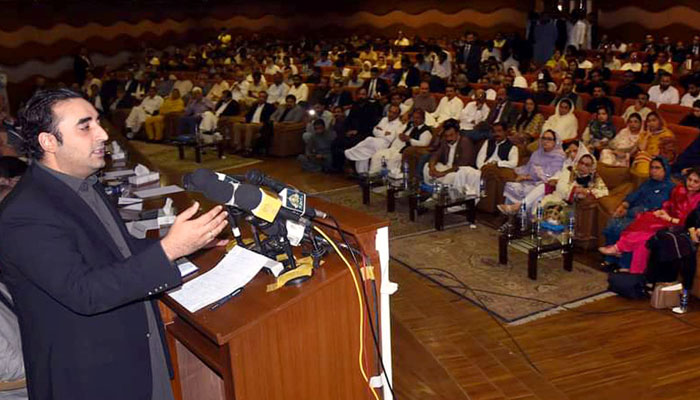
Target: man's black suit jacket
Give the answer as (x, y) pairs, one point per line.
(412, 79)
(381, 86)
(267, 111)
(79, 301)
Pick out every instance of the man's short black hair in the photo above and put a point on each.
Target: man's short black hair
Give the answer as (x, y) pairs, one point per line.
(696, 104)
(319, 122)
(451, 124)
(11, 167)
(291, 96)
(37, 116)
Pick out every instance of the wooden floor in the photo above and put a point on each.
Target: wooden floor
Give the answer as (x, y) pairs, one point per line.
(447, 348)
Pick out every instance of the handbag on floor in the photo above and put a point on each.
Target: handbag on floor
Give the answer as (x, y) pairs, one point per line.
(631, 286)
(666, 295)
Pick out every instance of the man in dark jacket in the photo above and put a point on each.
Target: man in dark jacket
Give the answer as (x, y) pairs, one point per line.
(83, 287)
(257, 117)
(363, 116)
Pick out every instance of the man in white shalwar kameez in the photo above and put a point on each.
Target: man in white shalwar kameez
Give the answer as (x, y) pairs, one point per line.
(383, 134)
(498, 151)
(417, 133)
(138, 114)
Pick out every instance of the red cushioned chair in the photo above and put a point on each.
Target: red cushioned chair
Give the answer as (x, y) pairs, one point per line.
(673, 113)
(685, 135)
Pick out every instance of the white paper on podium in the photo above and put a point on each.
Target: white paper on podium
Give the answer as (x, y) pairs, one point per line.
(235, 270)
(186, 266)
(160, 191)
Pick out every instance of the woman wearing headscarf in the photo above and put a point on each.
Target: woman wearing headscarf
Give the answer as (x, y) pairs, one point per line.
(600, 131)
(578, 182)
(366, 72)
(624, 144)
(573, 150)
(684, 199)
(646, 74)
(529, 185)
(528, 126)
(649, 196)
(656, 139)
(563, 122)
(519, 80)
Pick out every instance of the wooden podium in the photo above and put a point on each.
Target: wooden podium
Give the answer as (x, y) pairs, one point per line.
(299, 342)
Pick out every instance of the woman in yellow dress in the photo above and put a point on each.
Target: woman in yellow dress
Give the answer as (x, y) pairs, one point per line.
(655, 140)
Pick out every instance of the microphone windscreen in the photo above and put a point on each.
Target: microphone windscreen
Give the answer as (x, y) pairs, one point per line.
(248, 196)
(255, 176)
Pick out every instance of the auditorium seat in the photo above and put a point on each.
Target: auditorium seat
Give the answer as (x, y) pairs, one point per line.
(619, 123)
(585, 98)
(583, 118)
(630, 102)
(617, 103)
(685, 135)
(673, 113)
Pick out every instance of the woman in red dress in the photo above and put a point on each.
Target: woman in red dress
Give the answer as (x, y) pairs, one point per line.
(684, 199)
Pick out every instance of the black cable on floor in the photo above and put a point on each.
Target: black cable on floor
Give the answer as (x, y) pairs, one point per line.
(483, 306)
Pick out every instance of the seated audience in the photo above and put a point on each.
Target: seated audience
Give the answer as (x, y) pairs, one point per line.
(225, 107)
(317, 155)
(566, 91)
(649, 196)
(503, 112)
(155, 124)
(384, 134)
(595, 80)
(11, 170)
(376, 86)
(474, 113)
(449, 107)
(693, 118)
(355, 81)
(441, 72)
(277, 92)
(217, 90)
(318, 111)
(528, 125)
(576, 183)
(621, 148)
(257, 117)
(628, 89)
(338, 96)
(299, 90)
(496, 153)
(543, 166)
(408, 76)
(360, 121)
(197, 105)
(416, 133)
(122, 101)
(148, 107)
(453, 152)
(656, 139)
(664, 93)
(290, 112)
(318, 95)
(639, 107)
(424, 100)
(632, 65)
(692, 96)
(94, 97)
(600, 99)
(685, 198)
(542, 95)
(645, 74)
(600, 131)
(663, 64)
(563, 121)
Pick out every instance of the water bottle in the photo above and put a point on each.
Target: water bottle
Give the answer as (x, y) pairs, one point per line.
(572, 224)
(385, 170)
(405, 170)
(538, 224)
(684, 300)
(523, 217)
(482, 188)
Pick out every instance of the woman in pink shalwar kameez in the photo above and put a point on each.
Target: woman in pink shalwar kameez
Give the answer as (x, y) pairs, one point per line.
(684, 199)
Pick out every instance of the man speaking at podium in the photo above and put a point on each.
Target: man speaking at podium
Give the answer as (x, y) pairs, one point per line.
(83, 287)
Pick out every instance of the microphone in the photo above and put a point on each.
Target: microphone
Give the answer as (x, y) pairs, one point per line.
(222, 189)
(257, 177)
(292, 199)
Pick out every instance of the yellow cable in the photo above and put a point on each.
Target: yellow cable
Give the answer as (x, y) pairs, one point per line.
(360, 304)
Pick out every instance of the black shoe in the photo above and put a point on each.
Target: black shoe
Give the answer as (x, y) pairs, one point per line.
(609, 267)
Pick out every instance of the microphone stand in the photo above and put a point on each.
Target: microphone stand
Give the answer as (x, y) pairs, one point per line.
(233, 214)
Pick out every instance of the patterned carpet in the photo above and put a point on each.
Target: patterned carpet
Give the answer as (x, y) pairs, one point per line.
(166, 158)
(465, 261)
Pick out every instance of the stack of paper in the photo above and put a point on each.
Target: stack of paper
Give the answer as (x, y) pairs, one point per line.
(234, 271)
(160, 191)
